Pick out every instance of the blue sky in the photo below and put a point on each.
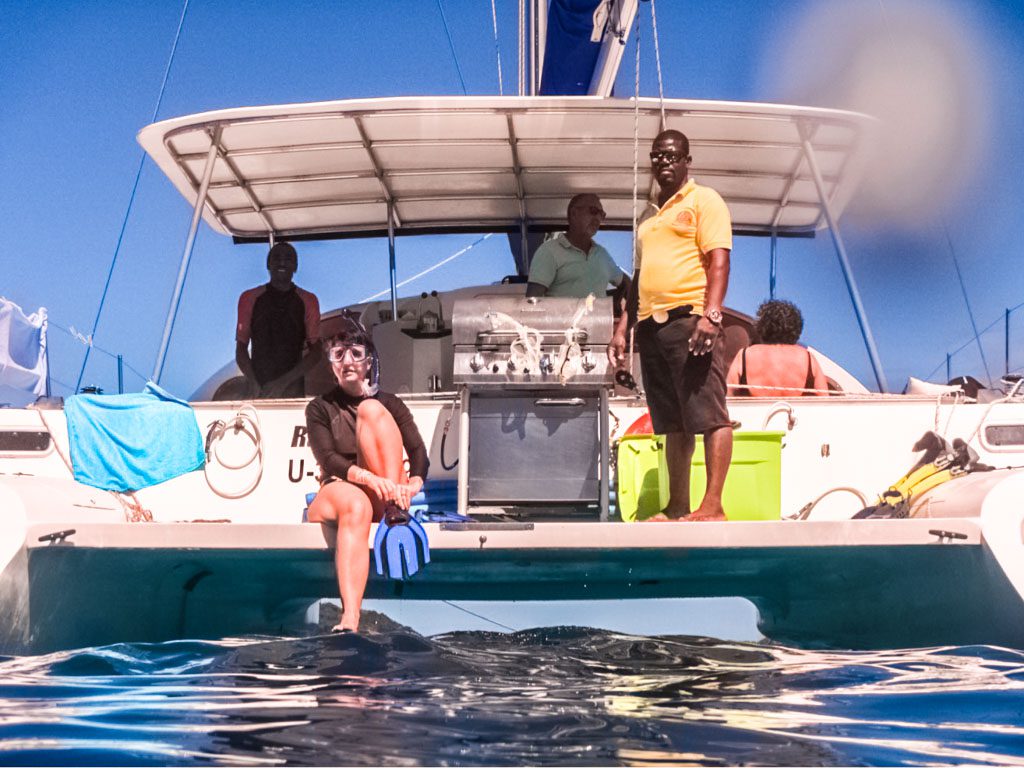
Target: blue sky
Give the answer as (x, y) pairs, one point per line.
(78, 80)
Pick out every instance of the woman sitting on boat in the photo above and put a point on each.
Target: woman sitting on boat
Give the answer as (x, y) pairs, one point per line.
(777, 366)
(357, 435)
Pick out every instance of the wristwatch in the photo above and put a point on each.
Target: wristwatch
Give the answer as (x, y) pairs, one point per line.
(714, 316)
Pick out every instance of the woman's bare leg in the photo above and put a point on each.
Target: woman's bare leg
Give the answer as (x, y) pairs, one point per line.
(379, 442)
(348, 509)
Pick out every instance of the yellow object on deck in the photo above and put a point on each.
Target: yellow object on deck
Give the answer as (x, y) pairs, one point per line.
(753, 487)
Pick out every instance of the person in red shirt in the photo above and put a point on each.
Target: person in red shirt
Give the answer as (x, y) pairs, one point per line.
(282, 322)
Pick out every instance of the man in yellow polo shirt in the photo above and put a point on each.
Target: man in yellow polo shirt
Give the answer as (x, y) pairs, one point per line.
(682, 275)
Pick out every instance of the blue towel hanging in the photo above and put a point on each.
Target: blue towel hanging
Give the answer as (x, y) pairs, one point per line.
(132, 441)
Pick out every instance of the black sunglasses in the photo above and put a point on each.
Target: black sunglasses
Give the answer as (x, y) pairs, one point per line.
(671, 157)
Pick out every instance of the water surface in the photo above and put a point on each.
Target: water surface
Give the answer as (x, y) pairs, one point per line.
(561, 695)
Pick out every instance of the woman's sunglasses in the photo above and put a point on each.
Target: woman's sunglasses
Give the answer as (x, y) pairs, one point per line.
(356, 352)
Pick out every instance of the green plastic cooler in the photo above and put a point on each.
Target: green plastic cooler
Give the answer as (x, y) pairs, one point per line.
(753, 487)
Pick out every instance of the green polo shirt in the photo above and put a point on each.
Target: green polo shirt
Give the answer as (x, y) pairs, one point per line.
(565, 270)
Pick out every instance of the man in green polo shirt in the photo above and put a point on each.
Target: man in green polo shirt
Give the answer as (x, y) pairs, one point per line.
(572, 264)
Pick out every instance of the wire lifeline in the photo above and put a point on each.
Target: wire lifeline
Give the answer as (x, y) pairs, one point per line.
(429, 269)
(970, 341)
(131, 198)
(451, 47)
(88, 343)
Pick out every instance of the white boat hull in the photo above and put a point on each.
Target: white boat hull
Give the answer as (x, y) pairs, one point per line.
(954, 576)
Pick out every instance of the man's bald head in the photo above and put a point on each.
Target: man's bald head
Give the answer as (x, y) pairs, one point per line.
(671, 134)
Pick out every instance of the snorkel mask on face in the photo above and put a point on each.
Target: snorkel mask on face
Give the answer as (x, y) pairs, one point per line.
(353, 342)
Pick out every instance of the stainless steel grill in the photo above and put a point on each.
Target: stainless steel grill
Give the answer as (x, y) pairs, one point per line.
(507, 342)
(535, 380)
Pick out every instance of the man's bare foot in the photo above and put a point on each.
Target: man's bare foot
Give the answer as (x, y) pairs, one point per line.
(674, 511)
(702, 515)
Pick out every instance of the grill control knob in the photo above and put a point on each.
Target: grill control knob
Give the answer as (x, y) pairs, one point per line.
(495, 368)
(587, 362)
(511, 366)
(476, 362)
(546, 365)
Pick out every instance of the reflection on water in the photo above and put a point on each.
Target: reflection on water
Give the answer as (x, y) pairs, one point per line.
(557, 695)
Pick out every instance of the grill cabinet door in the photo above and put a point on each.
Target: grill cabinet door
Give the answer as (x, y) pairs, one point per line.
(533, 448)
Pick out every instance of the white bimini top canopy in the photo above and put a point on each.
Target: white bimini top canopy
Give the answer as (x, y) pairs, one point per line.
(333, 169)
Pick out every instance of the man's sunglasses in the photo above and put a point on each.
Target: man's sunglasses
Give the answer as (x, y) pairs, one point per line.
(357, 352)
(593, 210)
(668, 157)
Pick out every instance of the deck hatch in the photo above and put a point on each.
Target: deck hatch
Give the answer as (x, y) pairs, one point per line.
(24, 441)
(1004, 435)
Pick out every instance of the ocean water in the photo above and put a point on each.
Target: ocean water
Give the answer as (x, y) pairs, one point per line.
(562, 695)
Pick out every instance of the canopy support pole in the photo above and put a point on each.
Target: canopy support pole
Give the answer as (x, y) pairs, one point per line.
(844, 263)
(773, 263)
(1006, 344)
(524, 248)
(392, 266)
(186, 257)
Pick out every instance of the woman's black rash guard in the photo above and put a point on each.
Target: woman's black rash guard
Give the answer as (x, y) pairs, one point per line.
(331, 428)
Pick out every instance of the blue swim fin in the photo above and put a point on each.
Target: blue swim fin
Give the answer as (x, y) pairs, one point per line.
(400, 546)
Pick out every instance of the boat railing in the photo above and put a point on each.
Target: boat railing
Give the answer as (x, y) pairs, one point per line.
(990, 343)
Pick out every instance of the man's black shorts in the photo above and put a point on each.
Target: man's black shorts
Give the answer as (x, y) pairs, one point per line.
(685, 392)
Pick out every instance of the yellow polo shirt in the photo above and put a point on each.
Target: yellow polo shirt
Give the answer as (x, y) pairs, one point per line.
(673, 245)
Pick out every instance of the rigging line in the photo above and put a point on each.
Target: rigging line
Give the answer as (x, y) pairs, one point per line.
(497, 48)
(967, 303)
(522, 48)
(636, 147)
(479, 616)
(451, 47)
(429, 269)
(657, 61)
(131, 197)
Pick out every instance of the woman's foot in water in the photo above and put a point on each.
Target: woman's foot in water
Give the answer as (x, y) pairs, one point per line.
(349, 623)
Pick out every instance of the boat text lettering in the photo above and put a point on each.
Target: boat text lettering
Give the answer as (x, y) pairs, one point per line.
(297, 475)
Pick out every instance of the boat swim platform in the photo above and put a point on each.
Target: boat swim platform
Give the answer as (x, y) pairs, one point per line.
(852, 584)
